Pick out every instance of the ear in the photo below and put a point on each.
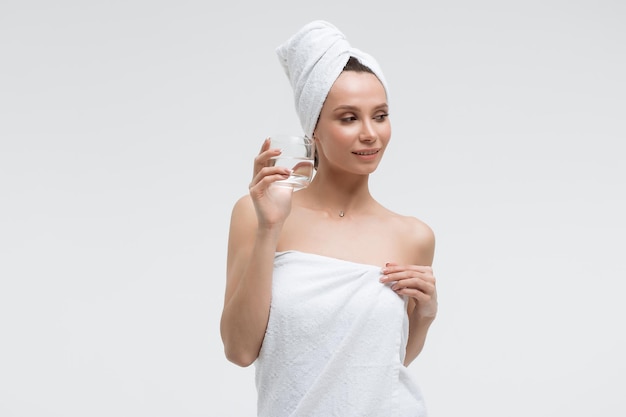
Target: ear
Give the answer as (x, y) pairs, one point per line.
(316, 158)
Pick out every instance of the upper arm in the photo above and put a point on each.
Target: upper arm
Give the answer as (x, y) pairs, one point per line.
(243, 224)
(422, 242)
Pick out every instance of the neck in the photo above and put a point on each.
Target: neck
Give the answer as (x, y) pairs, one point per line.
(339, 197)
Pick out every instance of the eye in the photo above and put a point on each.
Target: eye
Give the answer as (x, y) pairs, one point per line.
(347, 119)
(381, 117)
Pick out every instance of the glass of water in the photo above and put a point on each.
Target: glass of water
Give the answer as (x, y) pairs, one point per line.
(297, 154)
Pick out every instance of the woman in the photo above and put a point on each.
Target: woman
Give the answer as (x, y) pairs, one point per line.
(329, 293)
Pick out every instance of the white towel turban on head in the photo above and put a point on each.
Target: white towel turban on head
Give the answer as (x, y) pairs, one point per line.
(313, 58)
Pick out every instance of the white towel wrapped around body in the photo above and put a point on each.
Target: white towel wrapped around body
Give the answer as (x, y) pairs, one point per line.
(313, 58)
(335, 343)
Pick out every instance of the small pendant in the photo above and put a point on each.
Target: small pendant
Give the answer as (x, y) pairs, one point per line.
(341, 213)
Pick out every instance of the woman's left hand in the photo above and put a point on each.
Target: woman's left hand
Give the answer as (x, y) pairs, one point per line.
(415, 281)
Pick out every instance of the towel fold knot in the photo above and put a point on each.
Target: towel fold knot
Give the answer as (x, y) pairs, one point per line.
(313, 58)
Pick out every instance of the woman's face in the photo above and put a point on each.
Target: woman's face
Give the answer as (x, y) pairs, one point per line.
(353, 128)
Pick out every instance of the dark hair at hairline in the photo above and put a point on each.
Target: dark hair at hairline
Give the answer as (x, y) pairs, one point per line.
(355, 65)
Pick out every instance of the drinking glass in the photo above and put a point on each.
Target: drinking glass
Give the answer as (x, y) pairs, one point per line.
(297, 155)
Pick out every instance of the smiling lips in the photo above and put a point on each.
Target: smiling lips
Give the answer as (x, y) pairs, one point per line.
(367, 152)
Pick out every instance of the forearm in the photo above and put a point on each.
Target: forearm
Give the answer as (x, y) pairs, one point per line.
(418, 330)
(245, 315)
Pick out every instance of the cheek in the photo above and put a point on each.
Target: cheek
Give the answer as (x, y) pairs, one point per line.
(331, 146)
(385, 131)
(332, 136)
(336, 131)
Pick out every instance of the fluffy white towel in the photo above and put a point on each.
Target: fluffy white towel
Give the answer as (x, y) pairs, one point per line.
(313, 58)
(334, 344)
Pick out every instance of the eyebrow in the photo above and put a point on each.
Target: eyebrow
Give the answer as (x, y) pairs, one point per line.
(354, 108)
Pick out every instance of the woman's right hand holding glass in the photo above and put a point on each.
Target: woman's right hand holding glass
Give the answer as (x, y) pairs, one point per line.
(272, 204)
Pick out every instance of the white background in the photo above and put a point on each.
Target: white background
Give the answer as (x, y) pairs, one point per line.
(127, 132)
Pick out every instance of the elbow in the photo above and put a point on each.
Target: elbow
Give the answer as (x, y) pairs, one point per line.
(237, 352)
(239, 357)
(239, 348)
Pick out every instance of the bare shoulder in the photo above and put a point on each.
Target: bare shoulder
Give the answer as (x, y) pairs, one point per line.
(243, 204)
(418, 231)
(243, 222)
(416, 236)
(243, 212)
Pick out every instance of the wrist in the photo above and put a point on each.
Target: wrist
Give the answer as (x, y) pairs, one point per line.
(422, 319)
(268, 234)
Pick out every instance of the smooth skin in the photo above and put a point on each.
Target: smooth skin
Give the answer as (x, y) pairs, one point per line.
(351, 137)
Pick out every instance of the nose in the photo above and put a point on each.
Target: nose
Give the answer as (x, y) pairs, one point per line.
(368, 132)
